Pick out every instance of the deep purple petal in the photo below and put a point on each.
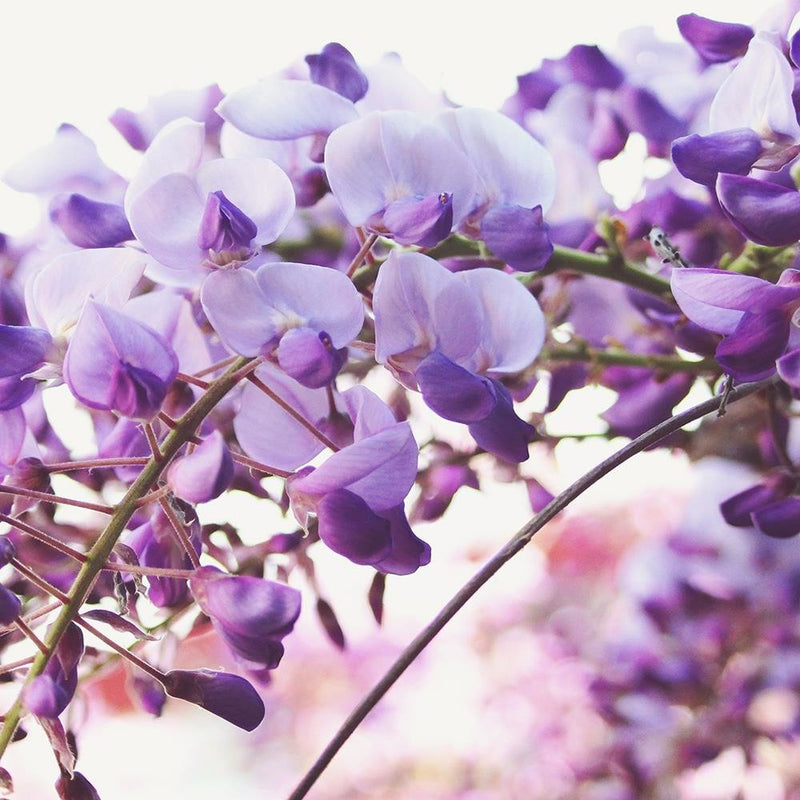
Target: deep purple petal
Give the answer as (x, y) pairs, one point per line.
(644, 113)
(518, 235)
(44, 697)
(780, 520)
(715, 42)
(310, 357)
(350, 528)
(228, 696)
(738, 509)
(454, 392)
(90, 223)
(335, 68)
(702, 158)
(408, 553)
(789, 368)
(750, 352)
(766, 213)
(75, 787)
(591, 67)
(423, 221)
(224, 226)
(503, 433)
(22, 349)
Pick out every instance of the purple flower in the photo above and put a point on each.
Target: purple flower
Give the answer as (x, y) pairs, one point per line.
(188, 212)
(417, 180)
(228, 696)
(90, 223)
(753, 315)
(445, 335)
(252, 615)
(304, 312)
(118, 364)
(357, 494)
(715, 42)
(203, 474)
(50, 693)
(22, 351)
(336, 69)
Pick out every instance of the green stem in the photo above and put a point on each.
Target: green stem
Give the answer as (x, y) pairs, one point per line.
(97, 557)
(608, 266)
(622, 358)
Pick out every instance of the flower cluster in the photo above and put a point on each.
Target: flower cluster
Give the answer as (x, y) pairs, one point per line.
(306, 278)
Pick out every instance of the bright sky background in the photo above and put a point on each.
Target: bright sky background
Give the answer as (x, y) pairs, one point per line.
(77, 61)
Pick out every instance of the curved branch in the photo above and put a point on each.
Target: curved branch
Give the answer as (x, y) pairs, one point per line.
(512, 547)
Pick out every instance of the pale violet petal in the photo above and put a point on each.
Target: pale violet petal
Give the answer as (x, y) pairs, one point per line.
(368, 412)
(318, 297)
(54, 297)
(238, 310)
(257, 186)
(512, 167)
(513, 322)
(178, 148)
(165, 218)
(268, 433)
(286, 109)
(758, 93)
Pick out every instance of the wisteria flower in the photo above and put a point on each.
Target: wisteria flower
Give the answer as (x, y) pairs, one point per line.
(188, 212)
(446, 335)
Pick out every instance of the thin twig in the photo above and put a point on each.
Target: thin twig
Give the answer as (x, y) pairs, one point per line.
(512, 547)
(180, 530)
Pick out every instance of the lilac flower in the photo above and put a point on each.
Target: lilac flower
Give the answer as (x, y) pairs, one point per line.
(753, 315)
(336, 69)
(752, 121)
(140, 128)
(418, 184)
(445, 334)
(307, 314)
(118, 364)
(252, 615)
(51, 692)
(188, 213)
(203, 474)
(357, 493)
(156, 545)
(515, 183)
(228, 696)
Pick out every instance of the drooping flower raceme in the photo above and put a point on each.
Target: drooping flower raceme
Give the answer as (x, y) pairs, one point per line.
(453, 336)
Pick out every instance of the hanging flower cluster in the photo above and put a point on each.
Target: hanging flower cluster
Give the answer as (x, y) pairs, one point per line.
(285, 251)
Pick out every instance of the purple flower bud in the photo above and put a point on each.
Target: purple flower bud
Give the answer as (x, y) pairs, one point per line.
(738, 509)
(89, 223)
(779, 520)
(518, 235)
(503, 433)
(310, 357)
(22, 350)
(252, 615)
(10, 606)
(591, 67)
(75, 787)
(715, 42)
(7, 550)
(702, 158)
(50, 693)
(766, 213)
(423, 221)
(336, 69)
(203, 474)
(223, 226)
(228, 696)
